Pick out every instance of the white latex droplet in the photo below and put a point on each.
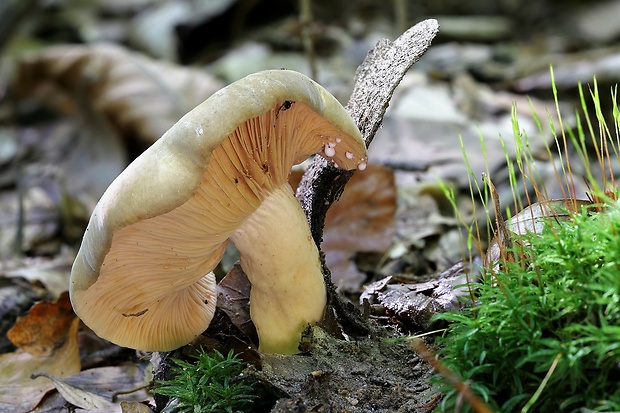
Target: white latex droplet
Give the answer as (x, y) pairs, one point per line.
(329, 151)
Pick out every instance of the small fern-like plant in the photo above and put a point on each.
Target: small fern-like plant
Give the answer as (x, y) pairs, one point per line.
(211, 385)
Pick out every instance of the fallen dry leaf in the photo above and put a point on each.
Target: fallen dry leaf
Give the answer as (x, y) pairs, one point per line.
(76, 396)
(52, 273)
(16, 297)
(530, 219)
(140, 96)
(99, 388)
(362, 220)
(413, 305)
(18, 391)
(233, 298)
(110, 387)
(45, 327)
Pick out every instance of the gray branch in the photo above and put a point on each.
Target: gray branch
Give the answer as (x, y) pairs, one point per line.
(375, 82)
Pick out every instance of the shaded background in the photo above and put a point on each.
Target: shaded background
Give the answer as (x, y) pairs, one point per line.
(86, 86)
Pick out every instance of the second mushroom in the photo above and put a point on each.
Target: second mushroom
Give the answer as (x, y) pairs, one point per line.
(143, 275)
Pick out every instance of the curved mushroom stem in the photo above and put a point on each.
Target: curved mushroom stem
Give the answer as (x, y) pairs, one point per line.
(279, 256)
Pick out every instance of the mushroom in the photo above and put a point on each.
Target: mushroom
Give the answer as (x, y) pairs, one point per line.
(143, 276)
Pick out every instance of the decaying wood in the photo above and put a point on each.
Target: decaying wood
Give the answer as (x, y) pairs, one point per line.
(375, 82)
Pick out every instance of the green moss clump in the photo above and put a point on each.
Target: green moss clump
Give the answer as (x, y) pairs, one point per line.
(211, 385)
(544, 333)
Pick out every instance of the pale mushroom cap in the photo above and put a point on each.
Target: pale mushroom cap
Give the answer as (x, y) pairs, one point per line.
(141, 277)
